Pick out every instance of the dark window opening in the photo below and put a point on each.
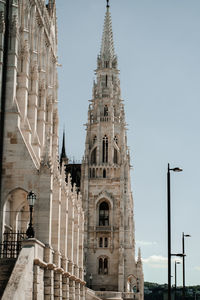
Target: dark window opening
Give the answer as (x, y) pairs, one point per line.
(100, 266)
(105, 111)
(106, 80)
(105, 266)
(93, 156)
(105, 150)
(104, 173)
(101, 242)
(93, 173)
(115, 156)
(104, 214)
(106, 242)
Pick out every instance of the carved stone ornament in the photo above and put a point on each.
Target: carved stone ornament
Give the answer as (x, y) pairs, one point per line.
(2, 22)
(14, 26)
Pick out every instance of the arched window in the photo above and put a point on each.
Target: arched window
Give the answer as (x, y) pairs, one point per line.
(116, 140)
(93, 173)
(106, 80)
(104, 173)
(105, 112)
(106, 242)
(104, 214)
(93, 156)
(100, 266)
(105, 150)
(103, 266)
(94, 139)
(115, 160)
(101, 242)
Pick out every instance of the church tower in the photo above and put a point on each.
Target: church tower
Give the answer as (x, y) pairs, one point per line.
(111, 266)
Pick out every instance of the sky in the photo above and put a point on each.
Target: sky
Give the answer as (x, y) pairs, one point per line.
(158, 47)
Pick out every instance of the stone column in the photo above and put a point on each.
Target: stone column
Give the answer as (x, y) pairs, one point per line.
(38, 283)
(72, 288)
(58, 285)
(65, 287)
(77, 290)
(82, 290)
(49, 284)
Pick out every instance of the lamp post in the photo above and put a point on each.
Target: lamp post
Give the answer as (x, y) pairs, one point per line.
(176, 263)
(31, 197)
(183, 251)
(169, 225)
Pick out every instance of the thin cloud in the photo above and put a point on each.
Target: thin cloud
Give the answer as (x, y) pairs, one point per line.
(197, 268)
(157, 261)
(145, 243)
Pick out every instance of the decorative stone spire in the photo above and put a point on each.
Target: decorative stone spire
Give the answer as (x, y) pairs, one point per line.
(107, 52)
(63, 156)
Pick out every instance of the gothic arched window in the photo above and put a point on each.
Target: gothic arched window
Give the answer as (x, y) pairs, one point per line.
(93, 156)
(104, 173)
(103, 266)
(101, 242)
(115, 159)
(94, 139)
(105, 150)
(100, 266)
(105, 111)
(104, 214)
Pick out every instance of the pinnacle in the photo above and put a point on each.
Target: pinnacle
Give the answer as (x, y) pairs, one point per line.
(107, 47)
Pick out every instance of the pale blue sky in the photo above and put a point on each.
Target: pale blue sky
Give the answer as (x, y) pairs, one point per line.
(158, 48)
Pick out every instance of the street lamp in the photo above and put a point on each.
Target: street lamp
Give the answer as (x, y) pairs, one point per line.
(31, 197)
(183, 250)
(91, 281)
(176, 263)
(169, 225)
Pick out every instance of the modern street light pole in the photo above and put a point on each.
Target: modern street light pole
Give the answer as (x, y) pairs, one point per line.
(169, 225)
(183, 251)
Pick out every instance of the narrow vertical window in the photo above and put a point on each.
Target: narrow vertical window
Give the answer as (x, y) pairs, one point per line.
(105, 265)
(104, 173)
(106, 80)
(93, 156)
(105, 111)
(115, 160)
(106, 242)
(105, 150)
(100, 266)
(104, 214)
(101, 242)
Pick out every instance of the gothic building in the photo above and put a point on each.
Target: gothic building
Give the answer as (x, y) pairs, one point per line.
(109, 248)
(50, 264)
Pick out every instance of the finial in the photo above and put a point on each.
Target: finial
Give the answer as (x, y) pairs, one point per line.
(107, 4)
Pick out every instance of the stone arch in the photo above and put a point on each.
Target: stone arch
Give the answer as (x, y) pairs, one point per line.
(16, 211)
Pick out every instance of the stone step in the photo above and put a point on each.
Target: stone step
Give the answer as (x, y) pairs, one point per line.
(6, 267)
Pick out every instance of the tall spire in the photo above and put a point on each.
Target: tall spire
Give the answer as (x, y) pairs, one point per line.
(107, 46)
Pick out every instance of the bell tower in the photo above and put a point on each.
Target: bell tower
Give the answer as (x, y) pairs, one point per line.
(108, 204)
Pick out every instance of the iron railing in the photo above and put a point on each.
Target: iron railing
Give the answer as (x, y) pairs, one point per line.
(12, 244)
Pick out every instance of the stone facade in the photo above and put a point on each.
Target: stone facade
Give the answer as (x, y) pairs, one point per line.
(111, 267)
(30, 159)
